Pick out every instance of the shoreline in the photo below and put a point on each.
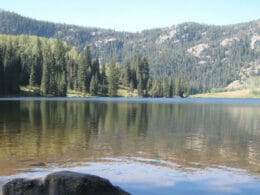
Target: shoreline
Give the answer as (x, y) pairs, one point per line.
(32, 92)
(245, 93)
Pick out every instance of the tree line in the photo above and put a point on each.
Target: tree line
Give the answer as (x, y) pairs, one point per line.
(136, 75)
(54, 67)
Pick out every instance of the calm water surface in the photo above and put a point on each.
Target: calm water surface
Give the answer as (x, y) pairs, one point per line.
(146, 146)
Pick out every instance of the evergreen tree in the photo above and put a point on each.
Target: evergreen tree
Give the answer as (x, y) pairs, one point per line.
(138, 67)
(183, 88)
(71, 72)
(141, 71)
(140, 88)
(145, 73)
(38, 62)
(84, 73)
(103, 80)
(74, 81)
(36, 65)
(94, 85)
(135, 71)
(72, 59)
(131, 87)
(133, 79)
(25, 69)
(113, 79)
(127, 74)
(177, 87)
(53, 85)
(166, 87)
(60, 70)
(11, 70)
(171, 88)
(63, 84)
(95, 69)
(45, 81)
(156, 90)
(32, 80)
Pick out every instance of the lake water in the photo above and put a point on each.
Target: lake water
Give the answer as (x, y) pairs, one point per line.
(145, 146)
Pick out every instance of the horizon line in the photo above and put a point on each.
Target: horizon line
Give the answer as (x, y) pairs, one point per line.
(127, 31)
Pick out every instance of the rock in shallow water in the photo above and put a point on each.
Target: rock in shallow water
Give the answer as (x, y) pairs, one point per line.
(63, 183)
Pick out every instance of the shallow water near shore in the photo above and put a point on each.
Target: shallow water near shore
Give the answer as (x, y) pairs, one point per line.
(145, 146)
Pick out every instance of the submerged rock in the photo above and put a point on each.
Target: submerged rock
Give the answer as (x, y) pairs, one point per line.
(63, 183)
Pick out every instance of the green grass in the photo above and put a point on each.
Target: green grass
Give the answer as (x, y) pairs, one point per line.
(245, 93)
(32, 91)
(29, 91)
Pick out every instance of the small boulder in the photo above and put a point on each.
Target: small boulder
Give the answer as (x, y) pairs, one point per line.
(63, 183)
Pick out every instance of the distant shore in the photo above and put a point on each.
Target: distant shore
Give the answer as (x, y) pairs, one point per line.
(245, 93)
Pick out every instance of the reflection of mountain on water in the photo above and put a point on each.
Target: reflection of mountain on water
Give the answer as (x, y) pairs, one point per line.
(192, 135)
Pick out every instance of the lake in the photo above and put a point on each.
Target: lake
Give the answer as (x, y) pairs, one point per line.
(145, 146)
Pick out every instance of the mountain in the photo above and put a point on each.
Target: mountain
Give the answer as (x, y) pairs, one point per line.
(207, 56)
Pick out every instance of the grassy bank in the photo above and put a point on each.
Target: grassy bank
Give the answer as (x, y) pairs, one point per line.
(245, 93)
(29, 91)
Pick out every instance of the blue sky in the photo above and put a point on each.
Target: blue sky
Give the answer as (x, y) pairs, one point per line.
(136, 15)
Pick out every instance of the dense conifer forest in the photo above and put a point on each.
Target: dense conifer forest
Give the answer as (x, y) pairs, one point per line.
(54, 67)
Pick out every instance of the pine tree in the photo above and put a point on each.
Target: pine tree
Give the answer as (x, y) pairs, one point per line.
(166, 87)
(131, 87)
(183, 88)
(141, 71)
(133, 79)
(11, 70)
(145, 73)
(140, 87)
(177, 87)
(32, 80)
(84, 73)
(156, 90)
(127, 74)
(171, 88)
(138, 67)
(74, 80)
(63, 84)
(72, 59)
(36, 65)
(95, 69)
(45, 81)
(103, 81)
(94, 85)
(135, 73)
(38, 62)
(113, 79)
(60, 75)
(53, 88)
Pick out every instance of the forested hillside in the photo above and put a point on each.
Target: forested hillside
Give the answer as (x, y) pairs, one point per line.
(53, 67)
(207, 56)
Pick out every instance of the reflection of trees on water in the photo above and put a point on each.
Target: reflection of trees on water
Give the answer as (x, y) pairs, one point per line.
(218, 134)
(7, 113)
(136, 118)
